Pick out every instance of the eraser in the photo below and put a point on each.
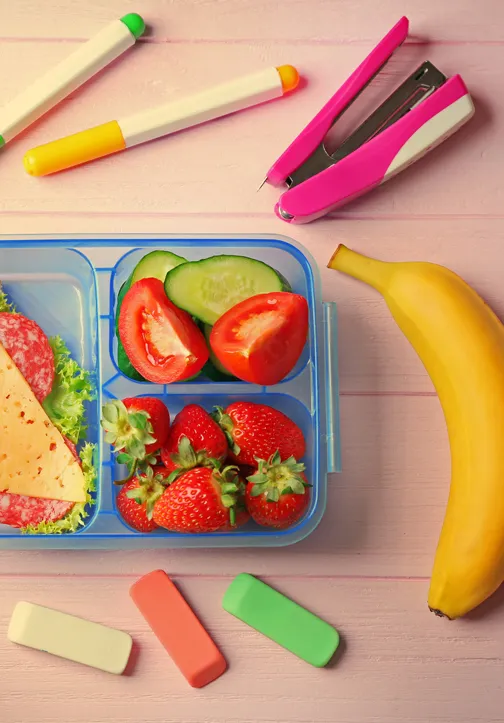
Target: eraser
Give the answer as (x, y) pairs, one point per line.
(70, 637)
(280, 619)
(178, 629)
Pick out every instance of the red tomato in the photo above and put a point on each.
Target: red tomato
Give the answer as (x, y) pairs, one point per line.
(162, 342)
(260, 339)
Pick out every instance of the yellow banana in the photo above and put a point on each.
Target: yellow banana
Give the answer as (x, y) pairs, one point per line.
(461, 344)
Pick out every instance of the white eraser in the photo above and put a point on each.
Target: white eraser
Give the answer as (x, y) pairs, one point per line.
(70, 637)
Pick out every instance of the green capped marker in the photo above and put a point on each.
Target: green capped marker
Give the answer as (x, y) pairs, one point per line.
(71, 73)
(282, 620)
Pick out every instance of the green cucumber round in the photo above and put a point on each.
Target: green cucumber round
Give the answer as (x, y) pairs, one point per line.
(155, 265)
(212, 373)
(208, 288)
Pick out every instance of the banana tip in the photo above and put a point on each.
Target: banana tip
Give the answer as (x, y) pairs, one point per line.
(332, 260)
(439, 613)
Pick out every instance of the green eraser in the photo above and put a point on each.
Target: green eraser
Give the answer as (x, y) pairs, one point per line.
(280, 619)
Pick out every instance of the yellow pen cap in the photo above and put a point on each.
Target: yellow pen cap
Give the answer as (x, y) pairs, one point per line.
(75, 149)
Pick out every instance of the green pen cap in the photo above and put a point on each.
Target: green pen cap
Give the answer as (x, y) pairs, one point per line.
(135, 24)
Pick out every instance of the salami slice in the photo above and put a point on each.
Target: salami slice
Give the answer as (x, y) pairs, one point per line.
(21, 510)
(29, 348)
(73, 449)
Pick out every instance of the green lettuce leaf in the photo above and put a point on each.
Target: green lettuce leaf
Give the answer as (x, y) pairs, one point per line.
(77, 515)
(72, 388)
(4, 302)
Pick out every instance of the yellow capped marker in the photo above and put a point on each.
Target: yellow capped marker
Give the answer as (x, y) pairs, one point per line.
(74, 150)
(117, 135)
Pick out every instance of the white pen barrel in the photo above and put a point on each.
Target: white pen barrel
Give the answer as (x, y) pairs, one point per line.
(206, 105)
(64, 78)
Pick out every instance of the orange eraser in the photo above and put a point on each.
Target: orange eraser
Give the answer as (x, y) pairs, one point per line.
(177, 627)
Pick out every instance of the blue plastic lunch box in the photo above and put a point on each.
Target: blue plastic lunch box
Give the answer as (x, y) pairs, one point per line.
(69, 285)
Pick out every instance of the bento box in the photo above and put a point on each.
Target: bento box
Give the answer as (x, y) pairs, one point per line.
(69, 285)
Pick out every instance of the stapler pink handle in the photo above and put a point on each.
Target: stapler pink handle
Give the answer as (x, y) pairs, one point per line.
(316, 130)
(420, 113)
(388, 153)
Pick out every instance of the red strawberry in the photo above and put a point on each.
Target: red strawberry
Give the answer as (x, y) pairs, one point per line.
(244, 470)
(278, 494)
(242, 516)
(258, 431)
(200, 500)
(136, 499)
(194, 440)
(136, 427)
(158, 416)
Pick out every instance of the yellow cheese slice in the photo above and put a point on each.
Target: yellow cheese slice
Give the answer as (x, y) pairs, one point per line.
(34, 459)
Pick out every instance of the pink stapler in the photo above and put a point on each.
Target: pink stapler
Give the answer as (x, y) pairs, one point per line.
(420, 114)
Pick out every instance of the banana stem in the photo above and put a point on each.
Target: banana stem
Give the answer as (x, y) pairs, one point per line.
(370, 271)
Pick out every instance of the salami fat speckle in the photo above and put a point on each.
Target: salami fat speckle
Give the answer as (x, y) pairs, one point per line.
(21, 510)
(29, 349)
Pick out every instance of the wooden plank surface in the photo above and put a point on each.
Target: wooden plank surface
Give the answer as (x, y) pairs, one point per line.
(237, 21)
(394, 659)
(366, 568)
(186, 175)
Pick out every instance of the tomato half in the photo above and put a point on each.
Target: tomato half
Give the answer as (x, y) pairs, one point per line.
(260, 339)
(162, 342)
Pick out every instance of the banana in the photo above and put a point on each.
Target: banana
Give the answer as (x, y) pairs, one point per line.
(461, 344)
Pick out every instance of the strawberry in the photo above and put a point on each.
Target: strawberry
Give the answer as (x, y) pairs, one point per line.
(136, 427)
(136, 499)
(194, 440)
(277, 495)
(158, 416)
(200, 500)
(242, 516)
(244, 470)
(258, 431)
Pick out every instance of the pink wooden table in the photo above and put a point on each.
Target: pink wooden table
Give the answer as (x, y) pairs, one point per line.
(366, 567)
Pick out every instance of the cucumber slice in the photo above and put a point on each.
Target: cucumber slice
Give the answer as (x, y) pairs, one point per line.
(206, 289)
(210, 371)
(207, 330)
(155, 265)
